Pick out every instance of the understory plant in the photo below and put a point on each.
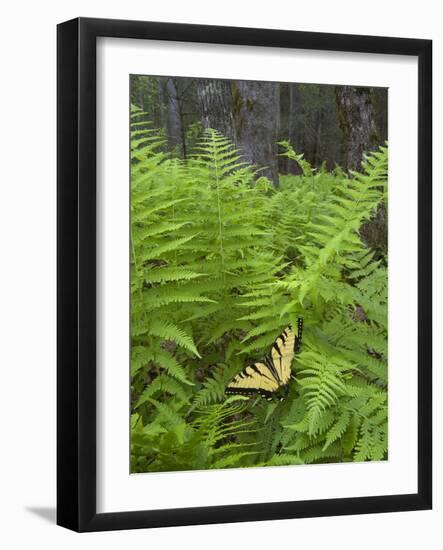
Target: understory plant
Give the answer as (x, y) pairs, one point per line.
(221, 262)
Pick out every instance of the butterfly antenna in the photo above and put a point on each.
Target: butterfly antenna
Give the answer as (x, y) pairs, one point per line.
(299, 334)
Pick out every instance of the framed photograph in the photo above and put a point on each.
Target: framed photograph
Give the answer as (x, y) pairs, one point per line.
(244, 278)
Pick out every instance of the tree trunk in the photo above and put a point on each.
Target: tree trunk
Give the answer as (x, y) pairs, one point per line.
(357, 119)
(318, 144)
(256, 118)
(286, 131)
(283, 162)
(291, 113)
(356, 115)
(162, 104)
(214, 97)
(173, 115)
(374, 232)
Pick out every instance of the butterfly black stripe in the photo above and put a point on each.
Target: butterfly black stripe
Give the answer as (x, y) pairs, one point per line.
(272, 374)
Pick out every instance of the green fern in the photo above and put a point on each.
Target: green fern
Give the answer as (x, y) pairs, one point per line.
(220, 263)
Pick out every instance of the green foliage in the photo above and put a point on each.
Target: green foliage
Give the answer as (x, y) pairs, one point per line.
(220, 263)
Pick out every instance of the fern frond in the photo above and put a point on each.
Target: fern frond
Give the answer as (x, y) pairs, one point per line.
(169, 331)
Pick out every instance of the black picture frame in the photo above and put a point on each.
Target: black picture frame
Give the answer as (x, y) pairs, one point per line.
(76, 265)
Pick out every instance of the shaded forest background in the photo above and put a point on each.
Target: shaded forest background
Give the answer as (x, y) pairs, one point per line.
(330, 125)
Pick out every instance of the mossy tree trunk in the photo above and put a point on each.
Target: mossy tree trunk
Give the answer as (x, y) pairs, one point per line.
(357, 118)
(214, 97)
(256, 109)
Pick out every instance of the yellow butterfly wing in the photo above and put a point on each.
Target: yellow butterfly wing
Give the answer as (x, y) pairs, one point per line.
(265, 378)
(282, 354)
(254, 379)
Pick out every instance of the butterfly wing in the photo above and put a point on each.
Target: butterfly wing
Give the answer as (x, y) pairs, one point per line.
(254, 379)
(282, 354)
(265, 378)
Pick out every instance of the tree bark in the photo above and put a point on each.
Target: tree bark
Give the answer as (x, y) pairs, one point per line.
(173, 115)
(318, 139)
(214, 97)
(292, 111)
(356, 115)
(256, 117)
(283, 162)
(162, 104)
(357, 119)
(287, 129)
